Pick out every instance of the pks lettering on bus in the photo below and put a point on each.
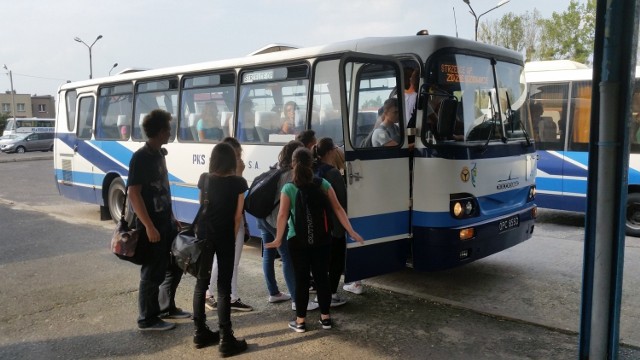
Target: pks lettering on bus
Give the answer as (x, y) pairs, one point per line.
(199, 159)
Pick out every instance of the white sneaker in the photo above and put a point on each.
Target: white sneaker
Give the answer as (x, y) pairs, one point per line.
(279, 298)
(354, 287)
(312, 305)
(336, 300)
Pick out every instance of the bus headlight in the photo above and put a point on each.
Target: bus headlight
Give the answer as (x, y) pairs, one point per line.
(532, 193)
(463, 206)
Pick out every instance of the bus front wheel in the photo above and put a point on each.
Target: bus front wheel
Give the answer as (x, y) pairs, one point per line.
(115, 199)
(633, 215)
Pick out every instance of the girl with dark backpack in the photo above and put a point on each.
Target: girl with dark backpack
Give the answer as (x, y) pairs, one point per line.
(325, 153)
(306, 203)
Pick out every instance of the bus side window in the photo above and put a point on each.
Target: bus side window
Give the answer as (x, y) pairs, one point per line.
(85, 117)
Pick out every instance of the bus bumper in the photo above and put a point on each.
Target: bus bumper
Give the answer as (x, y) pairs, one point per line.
(438, 249)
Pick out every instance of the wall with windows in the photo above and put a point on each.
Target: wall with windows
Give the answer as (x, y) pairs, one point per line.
(28, 106)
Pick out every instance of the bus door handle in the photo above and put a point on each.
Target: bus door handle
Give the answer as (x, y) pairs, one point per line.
(353, 175)
(75, 148)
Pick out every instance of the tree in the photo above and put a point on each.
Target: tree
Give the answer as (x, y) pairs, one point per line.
(570, 35)
(3, 121)
(567, 35)
(516, 32)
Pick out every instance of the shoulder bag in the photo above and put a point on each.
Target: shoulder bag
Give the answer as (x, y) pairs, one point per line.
(124, 241)
(187, 247)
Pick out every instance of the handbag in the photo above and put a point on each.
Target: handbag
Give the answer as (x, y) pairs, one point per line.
(124, 241)
(187, 247)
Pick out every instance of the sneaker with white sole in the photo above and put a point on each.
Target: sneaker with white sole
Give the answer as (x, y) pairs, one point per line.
(279, 298)
(312, 305)
(354, 287)
(240, 306)
(326, 323)
(336, 300)
(211, 303)
(299, 328)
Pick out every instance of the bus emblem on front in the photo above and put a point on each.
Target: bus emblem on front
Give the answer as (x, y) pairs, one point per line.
(464, 174)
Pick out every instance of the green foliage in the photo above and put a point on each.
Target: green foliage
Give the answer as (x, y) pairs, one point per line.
(3, 121)
(567, 35)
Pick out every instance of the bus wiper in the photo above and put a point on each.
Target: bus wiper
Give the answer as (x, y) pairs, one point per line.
(510, 118)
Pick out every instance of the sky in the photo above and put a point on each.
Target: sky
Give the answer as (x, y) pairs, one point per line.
(37, 38)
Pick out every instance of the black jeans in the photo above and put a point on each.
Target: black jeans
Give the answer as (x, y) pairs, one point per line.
(336, 264)
(316, 260)
(225, 250)
(159, 278)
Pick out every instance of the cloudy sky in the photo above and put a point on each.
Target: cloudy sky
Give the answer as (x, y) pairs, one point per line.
(37, 38)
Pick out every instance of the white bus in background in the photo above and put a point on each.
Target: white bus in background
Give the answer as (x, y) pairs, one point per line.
(446, 203)
(28, 125)
(563, 89)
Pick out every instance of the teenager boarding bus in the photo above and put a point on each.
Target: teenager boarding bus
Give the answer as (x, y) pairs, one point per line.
(445, 203)
(561, 92)
(28, 125)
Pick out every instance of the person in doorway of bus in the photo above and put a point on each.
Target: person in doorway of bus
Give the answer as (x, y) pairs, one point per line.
(308, 138)
(267, 228)
(149, 194)
(387, 133)
(289, 123)
(241, 237)
(411, 95)
(219, 225)
(323, 167)
(208, 125)
(306, 258)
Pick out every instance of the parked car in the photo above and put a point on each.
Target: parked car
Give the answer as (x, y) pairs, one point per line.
(28, 142)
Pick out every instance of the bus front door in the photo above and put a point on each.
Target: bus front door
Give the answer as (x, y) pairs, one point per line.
(377, 176)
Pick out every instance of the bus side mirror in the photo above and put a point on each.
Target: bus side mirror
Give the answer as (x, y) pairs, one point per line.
(447, 117)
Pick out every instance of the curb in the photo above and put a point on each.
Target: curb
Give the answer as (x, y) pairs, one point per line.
(48, 157)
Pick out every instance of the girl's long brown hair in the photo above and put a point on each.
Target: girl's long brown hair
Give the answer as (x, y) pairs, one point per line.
(302, 167)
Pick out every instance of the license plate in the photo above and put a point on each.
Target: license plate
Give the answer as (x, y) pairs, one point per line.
(508, 223)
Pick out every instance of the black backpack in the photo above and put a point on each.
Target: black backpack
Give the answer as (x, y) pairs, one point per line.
(312, 221)
(260, 200)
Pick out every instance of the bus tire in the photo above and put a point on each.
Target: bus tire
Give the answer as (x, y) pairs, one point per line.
(115, 196)
(632, 220)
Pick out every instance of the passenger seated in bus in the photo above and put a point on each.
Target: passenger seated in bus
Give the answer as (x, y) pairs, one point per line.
(289, 115)
(209, 126)
(247, 122)
(387, 133)
(536, 114)
(548, 129)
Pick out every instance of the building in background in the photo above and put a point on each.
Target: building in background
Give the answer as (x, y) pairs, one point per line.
(27, 106)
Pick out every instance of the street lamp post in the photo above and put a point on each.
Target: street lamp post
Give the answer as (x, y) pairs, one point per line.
(113, 67)
(13, 97)
(477, 17)
(89, 47)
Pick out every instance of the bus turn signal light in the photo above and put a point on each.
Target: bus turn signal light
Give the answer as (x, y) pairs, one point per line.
(466, 234)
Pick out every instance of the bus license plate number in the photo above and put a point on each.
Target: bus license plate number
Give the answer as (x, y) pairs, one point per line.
(508, 224)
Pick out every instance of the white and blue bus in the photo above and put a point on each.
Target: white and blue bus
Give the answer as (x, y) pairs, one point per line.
(563, 89)
(463, 191)
(28, 125)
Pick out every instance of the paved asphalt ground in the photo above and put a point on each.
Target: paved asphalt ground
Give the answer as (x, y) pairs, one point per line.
(69, 298)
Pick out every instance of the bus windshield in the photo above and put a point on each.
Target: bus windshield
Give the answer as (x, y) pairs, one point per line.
(484, 113)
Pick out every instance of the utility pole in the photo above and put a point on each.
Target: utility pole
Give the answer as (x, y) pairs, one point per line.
(13, 93)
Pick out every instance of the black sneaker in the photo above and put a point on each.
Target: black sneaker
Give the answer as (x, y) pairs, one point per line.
(176, 313)
(230, 346)
(205, 337)
(240, 306)
(159, 326)
(326, 323)
(300, 328)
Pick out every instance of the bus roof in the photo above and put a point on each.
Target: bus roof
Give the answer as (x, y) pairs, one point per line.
(422, 45)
